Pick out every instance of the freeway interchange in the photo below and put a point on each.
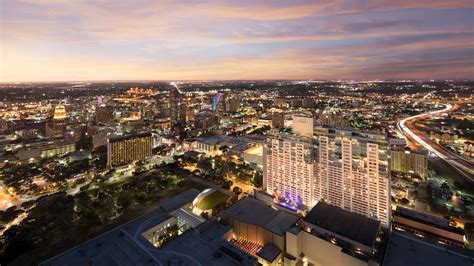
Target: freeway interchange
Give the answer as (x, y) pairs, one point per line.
(406, 125)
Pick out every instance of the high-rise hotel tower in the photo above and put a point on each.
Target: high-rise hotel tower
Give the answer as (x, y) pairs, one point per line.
(343, 167)
(126, 149)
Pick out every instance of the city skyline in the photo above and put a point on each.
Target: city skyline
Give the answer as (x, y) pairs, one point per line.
(237, 40)
(237, 132)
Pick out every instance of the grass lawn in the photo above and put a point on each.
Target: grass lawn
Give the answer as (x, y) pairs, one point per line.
(212, 200)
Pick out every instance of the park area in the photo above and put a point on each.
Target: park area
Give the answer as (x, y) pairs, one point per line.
(212, 201)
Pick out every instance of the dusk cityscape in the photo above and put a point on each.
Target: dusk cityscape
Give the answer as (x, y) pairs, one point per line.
(292, 133)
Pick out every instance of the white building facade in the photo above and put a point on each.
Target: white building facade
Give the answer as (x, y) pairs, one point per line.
(344, 168)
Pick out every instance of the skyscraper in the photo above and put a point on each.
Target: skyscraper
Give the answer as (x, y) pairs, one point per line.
(344, 168)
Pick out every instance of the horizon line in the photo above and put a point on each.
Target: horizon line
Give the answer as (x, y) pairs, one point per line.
(241, 80)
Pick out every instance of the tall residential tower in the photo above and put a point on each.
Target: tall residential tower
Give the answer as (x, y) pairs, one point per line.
(342, 167)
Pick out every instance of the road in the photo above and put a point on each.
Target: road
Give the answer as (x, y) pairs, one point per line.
(407, 126)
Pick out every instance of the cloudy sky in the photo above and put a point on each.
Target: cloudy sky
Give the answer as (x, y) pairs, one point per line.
(47, 40)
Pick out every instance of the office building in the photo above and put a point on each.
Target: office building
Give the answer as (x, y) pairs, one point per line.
(332, 117)
(278, 120)
(344, 168)
(55, 128)
(206, 121)
(308, 103)
(104, 115)
(296, 103)
(303, 126)
(189, 114)
(232, 105)
(126, 149)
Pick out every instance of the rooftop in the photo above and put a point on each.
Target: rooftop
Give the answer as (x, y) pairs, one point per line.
(273, 220)
(115, 247)
(269, 252)
(130, 136)
(344, 223)
(408, 250)
(179, 200)
(428, 219)
(204, 245)
(255, 150)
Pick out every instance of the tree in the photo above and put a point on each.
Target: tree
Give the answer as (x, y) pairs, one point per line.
(445, 186)
(227, 184)
(237, 190)
(205, 215)
(258, 179)
(205, 164)
(85, 143)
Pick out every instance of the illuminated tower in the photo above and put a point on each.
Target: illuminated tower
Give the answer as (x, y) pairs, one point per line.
(215, 101)
(60, 112)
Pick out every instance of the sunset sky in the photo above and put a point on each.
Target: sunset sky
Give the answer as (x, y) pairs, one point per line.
(53, 40)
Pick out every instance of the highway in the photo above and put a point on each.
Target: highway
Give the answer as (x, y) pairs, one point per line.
(406, 125)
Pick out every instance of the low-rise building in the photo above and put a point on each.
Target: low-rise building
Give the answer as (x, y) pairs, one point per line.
(34, 151)
(428, 226)
(333, 236)
(259, 229)
(254, 155)
(405, 249)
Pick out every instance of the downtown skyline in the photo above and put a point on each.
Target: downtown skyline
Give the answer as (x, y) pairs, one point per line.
(59, 40)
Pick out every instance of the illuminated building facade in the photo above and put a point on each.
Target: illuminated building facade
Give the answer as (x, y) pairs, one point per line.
(57, 126)
(215, 101)
(59, 112)
(344, 168)
(352, 171)
(408, 162)
(288, 168)
(127, 149)
(36, 151)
